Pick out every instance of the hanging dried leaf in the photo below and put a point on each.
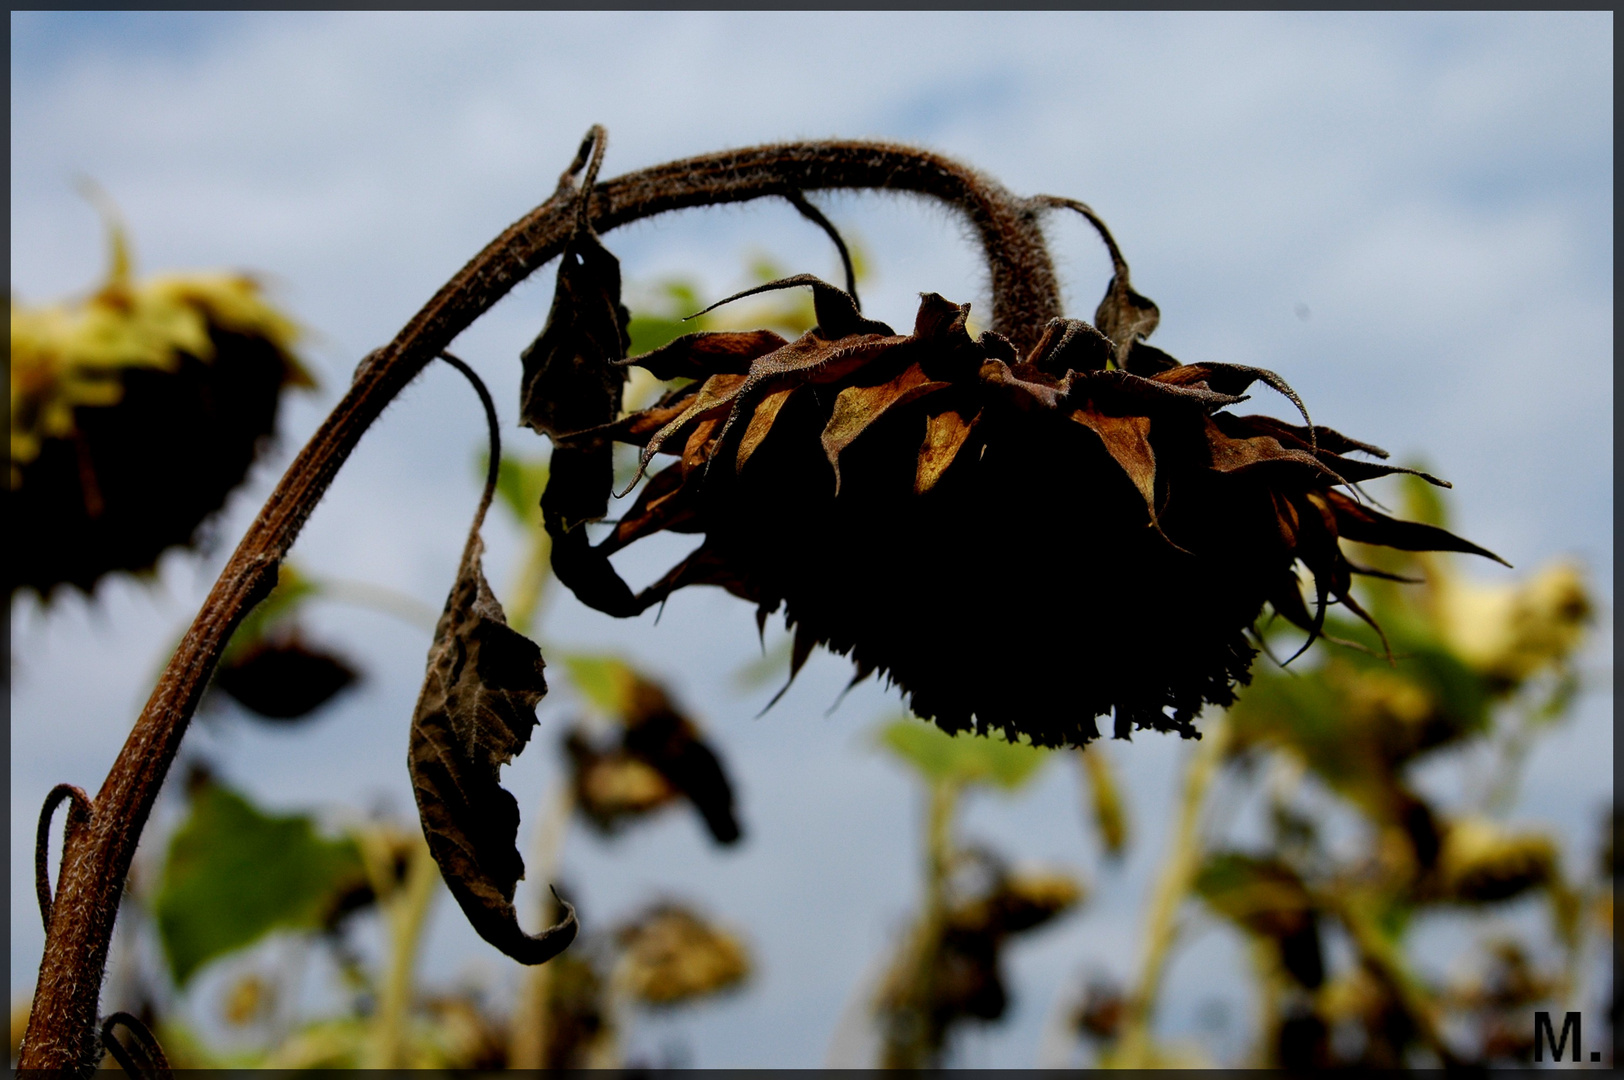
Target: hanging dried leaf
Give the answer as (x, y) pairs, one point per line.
(476, 711)
(1124, 316)
(573, 380)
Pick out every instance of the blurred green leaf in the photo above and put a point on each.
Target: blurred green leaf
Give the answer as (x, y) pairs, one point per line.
(1423, 501)
(1249, 889)
(649, 332)
(605, 681)
(233, 874)
(963, 758)
(673, 300)
(1110, 813)
(769, 666)
(519, 483)
(1354, 717)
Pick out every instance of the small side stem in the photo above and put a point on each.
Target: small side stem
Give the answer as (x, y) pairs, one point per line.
(909, 1041)
(527, 1030)
(1133, 1049)
(531, 588)
(405, 910)
(1383, 956)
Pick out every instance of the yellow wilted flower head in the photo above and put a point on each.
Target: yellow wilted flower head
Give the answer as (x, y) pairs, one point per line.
(673, 955)
(134, 411)
(1480, 861)
(1512, 632)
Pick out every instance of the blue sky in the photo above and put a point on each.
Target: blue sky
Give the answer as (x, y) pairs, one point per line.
(1408, 216)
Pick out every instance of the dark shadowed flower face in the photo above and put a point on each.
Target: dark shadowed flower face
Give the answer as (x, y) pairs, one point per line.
(1023, 543)
(1020, 543)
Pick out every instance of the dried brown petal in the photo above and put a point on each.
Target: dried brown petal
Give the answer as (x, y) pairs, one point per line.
(761, 422)
(1368, 526)
(945, 434)
(1237, 454)
(1120, 391)
(856, 407)
(710, 352)
(1127, 440)
(1070, 345)
(1326, 439)
(1232, 379)
(664, 503)
(701, 444)
(716, 395)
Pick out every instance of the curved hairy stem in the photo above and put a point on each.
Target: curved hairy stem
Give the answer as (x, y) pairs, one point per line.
(62, 1031)
(78, 814)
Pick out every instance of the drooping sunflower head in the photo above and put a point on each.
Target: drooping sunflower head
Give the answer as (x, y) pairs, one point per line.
(1021, 542)
(134, 413)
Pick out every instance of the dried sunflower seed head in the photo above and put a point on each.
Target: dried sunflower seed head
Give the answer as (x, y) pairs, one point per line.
(1022, 543)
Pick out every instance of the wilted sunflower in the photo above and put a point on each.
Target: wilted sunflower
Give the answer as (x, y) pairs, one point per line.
(658, 756)
(134, 412)
(1022, 543)
(952, 968)
(671, 955)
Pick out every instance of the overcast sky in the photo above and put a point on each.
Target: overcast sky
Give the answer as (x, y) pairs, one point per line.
(1408, 216)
